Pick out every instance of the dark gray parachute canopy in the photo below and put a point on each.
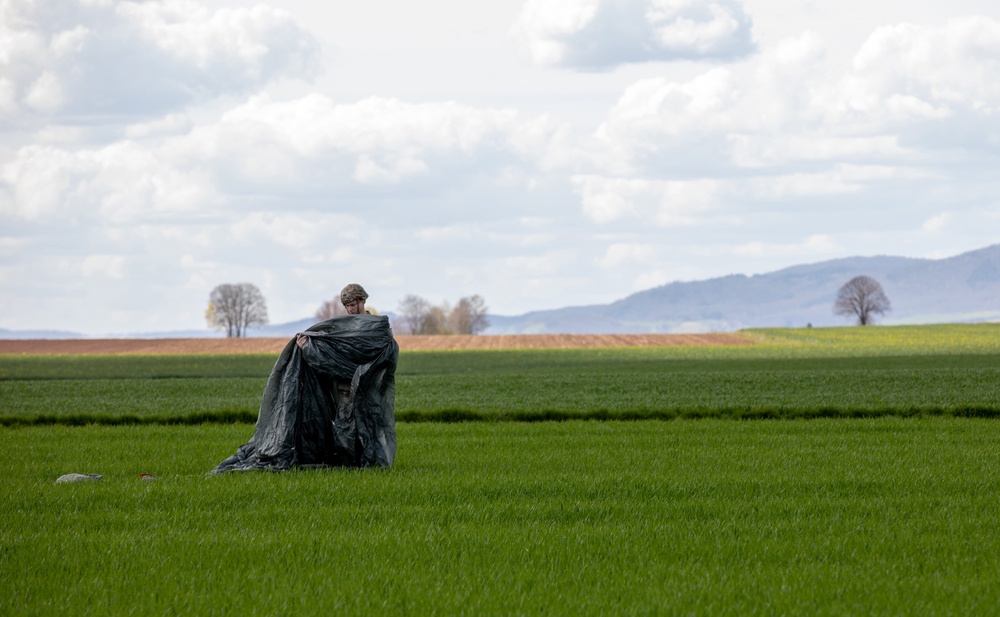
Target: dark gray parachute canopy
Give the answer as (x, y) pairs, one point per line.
(301, 421)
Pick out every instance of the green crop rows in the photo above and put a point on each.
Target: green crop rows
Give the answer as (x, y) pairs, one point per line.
(710, 517)
(951, 370)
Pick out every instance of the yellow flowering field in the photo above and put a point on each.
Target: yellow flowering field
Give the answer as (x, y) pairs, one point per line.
(981, 338)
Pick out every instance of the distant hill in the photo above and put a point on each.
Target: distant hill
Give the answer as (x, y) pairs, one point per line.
(964, 288)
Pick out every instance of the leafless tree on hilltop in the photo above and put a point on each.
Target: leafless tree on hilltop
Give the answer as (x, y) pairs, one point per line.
(233, 308)
(861, 297)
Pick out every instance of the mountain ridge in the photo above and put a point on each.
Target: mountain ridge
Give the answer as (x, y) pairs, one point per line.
(962, 288)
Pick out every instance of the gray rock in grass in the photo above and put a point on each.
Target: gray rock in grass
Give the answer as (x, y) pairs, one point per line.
(78, 477)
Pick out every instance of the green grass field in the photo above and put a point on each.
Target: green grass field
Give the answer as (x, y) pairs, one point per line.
(867, 483)
(902, 371)
(820, 517)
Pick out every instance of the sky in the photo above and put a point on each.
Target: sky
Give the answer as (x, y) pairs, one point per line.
(539, 153)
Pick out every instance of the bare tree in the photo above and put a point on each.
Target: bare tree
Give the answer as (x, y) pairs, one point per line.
(233, 308)
(330, 309)
(861, 297)
(418, 316)
(469, 316)
(413, 313)
(335, 308)
(436, 320)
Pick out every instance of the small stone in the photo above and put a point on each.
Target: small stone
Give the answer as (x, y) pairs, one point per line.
(78, 477)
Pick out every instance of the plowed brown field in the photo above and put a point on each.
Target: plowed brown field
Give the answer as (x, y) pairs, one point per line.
(406, 343)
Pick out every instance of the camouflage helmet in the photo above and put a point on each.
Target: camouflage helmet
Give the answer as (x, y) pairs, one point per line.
(353, 292)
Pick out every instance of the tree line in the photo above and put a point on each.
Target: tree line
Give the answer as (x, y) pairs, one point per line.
(235, 307)
(418, 316)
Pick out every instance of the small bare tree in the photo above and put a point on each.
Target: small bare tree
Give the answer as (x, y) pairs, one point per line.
(436, 320)
(861, 297)
(413, 313)
(418, 316)
(469, 316)
(330, 309)
(334, 308)
(234, 308)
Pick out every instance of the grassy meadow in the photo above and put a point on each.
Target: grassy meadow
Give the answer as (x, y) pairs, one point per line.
(822, 517)
(865, 482)
(813, 372)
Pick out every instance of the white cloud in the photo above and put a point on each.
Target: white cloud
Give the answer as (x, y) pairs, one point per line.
(666, 108)
(446, 233)
(119, 182)
(190, 262)
(937, 223)
(772, 149)
(174, 235)
(131, 182)
(796, 53)
(69, 42)
(547, 263)
(605, 199)
(535, 222)
(911, 72)
(188, 30)
(524, 240)
(542, 25)
(315, 123)
(341, 255)
(34, 184)
(308, 144)
(45, 94)
(9, 245)
(772, 114)
(602, 34)
(804, 185)
(294, 231)
(75, 57)
(170, 124)
(107, 266)
(59, 134)
(932, 85)
(621, 253)
(666, 203)
(657, 119)
(376, 142)
(8, 98)
(800, 126)
(368, 171)
(814, 245)
(288, 230)
(648, 280)
(692, 27)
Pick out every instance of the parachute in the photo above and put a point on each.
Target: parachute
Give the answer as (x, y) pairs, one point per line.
(329, 403)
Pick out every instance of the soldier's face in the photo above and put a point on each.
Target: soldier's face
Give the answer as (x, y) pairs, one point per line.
(355, 308)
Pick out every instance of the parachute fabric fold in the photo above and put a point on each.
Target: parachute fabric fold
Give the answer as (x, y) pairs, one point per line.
(308, 415)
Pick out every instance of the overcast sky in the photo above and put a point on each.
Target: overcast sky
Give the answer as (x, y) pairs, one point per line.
(541, 154)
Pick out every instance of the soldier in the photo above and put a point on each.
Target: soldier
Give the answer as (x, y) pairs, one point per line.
(330, 397)
(353, 298)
